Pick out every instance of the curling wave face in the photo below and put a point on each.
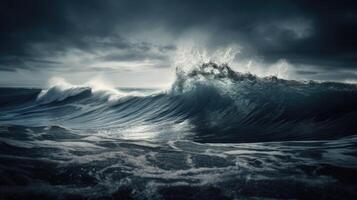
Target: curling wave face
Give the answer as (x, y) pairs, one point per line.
(208, 103)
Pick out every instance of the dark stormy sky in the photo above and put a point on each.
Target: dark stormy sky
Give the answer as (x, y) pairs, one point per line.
(133, 43)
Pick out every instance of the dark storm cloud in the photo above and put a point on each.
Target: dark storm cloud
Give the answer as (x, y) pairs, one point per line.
(304, 72)
(318, 33)
(132, 56)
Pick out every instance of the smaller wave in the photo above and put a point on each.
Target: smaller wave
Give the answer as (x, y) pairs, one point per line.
(61, 90)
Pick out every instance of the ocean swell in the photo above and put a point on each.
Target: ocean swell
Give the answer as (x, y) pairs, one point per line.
(210, 101)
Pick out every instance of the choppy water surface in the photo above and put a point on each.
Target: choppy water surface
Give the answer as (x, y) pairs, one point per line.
(215, 134)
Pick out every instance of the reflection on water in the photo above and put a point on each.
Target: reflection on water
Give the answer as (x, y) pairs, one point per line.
(52, 162)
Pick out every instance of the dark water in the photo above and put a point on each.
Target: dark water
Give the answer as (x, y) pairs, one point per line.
(215, 134)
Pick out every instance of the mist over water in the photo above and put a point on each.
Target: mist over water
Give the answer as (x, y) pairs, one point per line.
(214, 134)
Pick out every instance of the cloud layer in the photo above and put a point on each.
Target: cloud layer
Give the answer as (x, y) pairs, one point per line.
(317, 38)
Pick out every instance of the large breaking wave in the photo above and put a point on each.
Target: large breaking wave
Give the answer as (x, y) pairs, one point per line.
(208, 103)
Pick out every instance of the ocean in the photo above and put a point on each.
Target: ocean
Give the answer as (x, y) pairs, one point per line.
(214, 134)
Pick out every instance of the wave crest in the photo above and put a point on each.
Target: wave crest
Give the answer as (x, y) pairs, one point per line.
(60, 90)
